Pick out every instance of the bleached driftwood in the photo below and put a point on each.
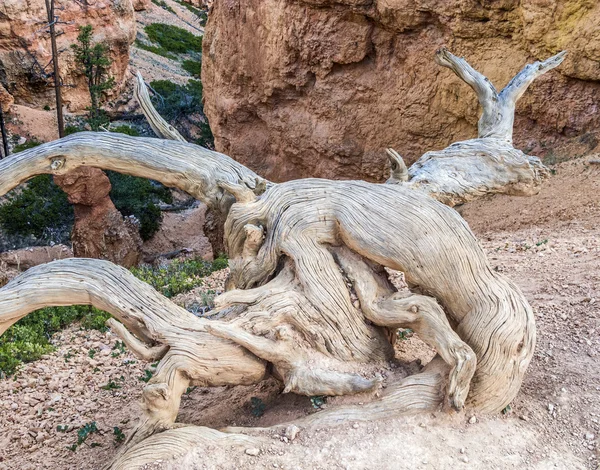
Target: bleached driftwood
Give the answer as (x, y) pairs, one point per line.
(299, 252)
(488, 164)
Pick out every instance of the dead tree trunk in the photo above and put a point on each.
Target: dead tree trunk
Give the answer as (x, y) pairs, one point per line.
(298, 252)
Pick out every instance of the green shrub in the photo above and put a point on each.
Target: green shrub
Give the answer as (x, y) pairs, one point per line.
(173, 39)
(179, 276)
(71, 129)
(163, 5)
(193, 67)
(94, 62)
(161, 51)
(127, 130)
(179, 102)
(28, 144)
(29, 338)
(38, 209)
(138, 196)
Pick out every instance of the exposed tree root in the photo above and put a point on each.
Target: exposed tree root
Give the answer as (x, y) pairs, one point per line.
(179, 441)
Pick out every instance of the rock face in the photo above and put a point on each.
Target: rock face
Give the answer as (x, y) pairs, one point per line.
(100, 231)
(25, 53)
(298, 88)
(28, 257)
(180, 231)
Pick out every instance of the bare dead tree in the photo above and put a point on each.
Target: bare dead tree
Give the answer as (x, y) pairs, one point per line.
(52, 20)
(298, 251)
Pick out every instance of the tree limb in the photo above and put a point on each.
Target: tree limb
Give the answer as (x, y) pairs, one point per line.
(182, 165)
(161, 128)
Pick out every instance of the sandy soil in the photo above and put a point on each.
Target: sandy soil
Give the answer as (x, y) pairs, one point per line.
(32, 123)
(548, 244)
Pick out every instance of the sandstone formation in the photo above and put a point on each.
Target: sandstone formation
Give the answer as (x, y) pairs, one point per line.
(140, 5)
(100, 231)
(322, 87)
(25, 53)
(26, 258)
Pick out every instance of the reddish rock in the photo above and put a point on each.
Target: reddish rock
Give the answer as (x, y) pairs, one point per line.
(179, 231)
(100, 231)
(140, 5)
(25, 50)
(320, 87)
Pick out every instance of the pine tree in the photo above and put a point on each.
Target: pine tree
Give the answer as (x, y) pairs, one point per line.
(95, 63)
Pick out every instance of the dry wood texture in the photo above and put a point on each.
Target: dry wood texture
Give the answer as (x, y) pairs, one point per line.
(299, 251)
(488, 164)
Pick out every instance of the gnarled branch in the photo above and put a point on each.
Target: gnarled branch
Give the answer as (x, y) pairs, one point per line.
(498, 114)
(181, 165)
(160, 127)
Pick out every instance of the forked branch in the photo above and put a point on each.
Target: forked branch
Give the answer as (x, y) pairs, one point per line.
(498, 114)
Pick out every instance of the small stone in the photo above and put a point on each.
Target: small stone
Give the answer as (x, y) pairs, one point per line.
(524, 417)
(589, 436)
(292, 432)
(550, 407)
(14, 406)
(472, 420)
(355, 425)
(462, 450)
(253, 451)
(464, 459)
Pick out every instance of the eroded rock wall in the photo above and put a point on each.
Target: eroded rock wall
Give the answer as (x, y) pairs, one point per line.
(25, 52)
(297, 88)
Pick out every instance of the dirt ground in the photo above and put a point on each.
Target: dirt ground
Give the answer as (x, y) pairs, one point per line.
(548, 244)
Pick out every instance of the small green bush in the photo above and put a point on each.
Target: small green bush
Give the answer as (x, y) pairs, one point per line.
(138, 196)
(71, 129)
(179, 276)
(161, 51)
(173, 38)
(28, 144)
(193, 67)
(29, 338)
(38, 209)
(163, 5)
(177, 102)
(127, 130)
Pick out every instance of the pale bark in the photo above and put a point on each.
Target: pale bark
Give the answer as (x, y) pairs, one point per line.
(160, 127)
(189, 167)
(489, 164)
(498, 115)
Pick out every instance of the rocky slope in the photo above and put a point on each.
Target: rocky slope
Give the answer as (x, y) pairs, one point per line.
(25, 53)
(299, 88)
